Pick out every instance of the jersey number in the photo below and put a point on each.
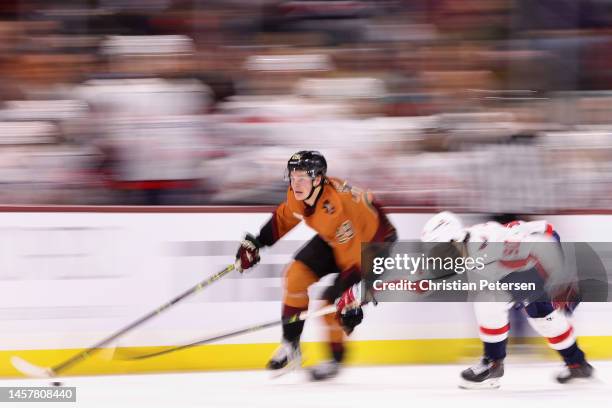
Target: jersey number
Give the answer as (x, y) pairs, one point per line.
(345, 232)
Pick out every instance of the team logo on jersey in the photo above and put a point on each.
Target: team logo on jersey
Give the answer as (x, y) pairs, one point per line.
(343, 187)
(511, 248)
(345, 232)
(328, 207)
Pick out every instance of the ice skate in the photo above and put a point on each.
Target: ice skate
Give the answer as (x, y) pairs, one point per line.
(573, 373)
(286, 358)
(484, 375)
(325, 370)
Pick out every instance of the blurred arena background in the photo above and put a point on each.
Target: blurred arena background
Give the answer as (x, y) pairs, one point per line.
(500, 108)
(496, 106)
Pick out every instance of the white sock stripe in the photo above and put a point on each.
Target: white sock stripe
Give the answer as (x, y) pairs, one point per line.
(493, 338)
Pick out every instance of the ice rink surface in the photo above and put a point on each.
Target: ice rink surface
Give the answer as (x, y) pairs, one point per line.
(524, 385)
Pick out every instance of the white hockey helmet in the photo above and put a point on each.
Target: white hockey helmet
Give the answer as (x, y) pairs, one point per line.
(443, 227)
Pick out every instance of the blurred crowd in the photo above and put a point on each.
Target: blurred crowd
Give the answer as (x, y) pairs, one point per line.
(499, 106)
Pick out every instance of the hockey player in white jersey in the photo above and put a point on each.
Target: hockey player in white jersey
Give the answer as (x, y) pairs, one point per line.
(512, 254)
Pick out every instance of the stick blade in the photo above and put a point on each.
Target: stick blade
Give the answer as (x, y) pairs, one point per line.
(31, 370)
(125, 354)
(108, 353)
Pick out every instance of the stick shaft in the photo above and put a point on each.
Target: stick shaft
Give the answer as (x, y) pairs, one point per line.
(293, 319)
(93, 349)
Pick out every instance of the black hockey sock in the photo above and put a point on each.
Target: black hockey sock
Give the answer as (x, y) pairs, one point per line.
(495, 351)
(337, 350)
(292, 331)
(572, 355)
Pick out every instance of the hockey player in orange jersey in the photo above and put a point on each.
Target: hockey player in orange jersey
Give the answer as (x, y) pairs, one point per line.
(344, 217)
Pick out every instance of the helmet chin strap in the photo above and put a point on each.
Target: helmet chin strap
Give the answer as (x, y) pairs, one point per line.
(312, 190)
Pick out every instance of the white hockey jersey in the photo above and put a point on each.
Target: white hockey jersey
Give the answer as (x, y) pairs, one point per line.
(517, 247)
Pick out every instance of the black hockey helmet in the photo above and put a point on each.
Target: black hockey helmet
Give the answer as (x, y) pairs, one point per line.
(309, 161)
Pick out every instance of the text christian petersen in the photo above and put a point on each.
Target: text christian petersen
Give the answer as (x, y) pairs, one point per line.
(452, 265)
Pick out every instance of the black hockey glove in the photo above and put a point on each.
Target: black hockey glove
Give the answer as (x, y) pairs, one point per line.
(351, 318)
(248, 253)
(348, 307)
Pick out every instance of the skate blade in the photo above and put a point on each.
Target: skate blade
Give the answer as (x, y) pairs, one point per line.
(490, 384)
(313, 377)
(582, 381)
(292, 366)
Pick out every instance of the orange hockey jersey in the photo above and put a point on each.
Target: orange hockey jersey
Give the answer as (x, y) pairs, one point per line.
(344, 216)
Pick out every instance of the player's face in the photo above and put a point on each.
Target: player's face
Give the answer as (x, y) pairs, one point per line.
(301, 184)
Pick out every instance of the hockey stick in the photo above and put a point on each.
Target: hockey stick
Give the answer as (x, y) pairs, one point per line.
(288, 320)
(32, 370)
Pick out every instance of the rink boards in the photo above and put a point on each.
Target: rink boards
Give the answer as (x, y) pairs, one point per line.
(70, 277)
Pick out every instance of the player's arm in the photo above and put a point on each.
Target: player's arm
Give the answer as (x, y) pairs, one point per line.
(535, 227)
(349, 290)
(281, 222)
(548, 255)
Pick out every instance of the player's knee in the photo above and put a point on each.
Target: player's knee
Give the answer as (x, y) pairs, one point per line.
(492, 318)
(493, 314)
(298, 277)
(555, 328)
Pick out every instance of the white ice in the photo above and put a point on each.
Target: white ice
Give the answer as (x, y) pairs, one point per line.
(525, 384)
